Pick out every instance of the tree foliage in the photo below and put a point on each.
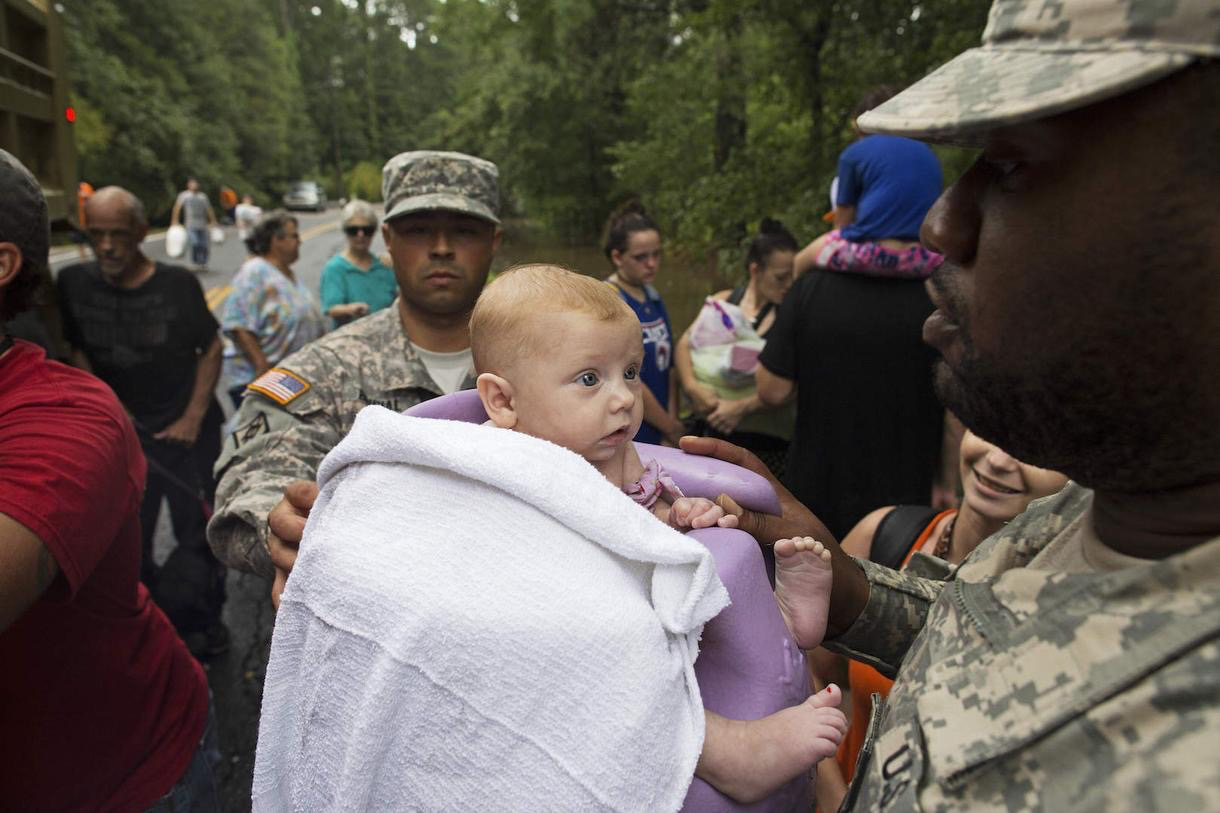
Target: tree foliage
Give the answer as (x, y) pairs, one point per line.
(715, 113)
(174, 89)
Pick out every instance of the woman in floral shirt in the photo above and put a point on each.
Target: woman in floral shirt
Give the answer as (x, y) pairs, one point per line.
(271, 313)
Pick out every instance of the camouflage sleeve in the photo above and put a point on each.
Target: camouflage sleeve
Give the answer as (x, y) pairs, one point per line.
(272, 446)
(897, 607)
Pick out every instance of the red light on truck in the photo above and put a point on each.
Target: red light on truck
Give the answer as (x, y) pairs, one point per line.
(70, 114)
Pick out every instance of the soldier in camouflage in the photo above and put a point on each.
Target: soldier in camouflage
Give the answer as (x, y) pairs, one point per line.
(441, 229)
(1073, 661)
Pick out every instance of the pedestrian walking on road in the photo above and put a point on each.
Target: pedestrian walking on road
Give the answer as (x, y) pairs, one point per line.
(145, 329)
(194, 212)
(84, 191)
(228, 202)
(246, 216)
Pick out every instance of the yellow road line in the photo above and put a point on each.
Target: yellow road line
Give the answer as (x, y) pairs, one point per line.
(216, 296)
(321, 228)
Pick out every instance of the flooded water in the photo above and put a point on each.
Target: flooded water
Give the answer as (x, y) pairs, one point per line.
(683, 284)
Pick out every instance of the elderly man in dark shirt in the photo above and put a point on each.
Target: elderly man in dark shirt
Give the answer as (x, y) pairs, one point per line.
(145, 329)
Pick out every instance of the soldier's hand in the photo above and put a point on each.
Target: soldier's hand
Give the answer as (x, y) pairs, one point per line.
(795, 519)
(285, 527)
(849, 590)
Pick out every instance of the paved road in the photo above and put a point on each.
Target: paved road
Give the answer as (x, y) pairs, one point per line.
(236, 677)
(322, 241)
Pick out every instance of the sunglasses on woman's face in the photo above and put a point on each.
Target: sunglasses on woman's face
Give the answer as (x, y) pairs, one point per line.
(352, 231)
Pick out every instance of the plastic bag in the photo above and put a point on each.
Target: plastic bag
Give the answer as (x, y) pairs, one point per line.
(724, 347)
(727, 367)
(175, 241)
(217, 234)
(718, 322)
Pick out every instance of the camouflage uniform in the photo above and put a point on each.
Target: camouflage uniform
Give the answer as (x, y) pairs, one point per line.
(1041, 57)
(367, 362)
(1102, 700)
(293, 415)
(1022, 688)
(430, 181)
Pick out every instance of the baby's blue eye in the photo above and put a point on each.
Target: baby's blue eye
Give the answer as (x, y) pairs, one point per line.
(588, 379)
(631, 373)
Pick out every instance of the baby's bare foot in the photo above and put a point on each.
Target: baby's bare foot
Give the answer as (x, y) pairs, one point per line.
(802, 588)
(748, 760)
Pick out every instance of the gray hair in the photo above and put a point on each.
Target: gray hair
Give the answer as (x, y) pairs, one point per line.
(359, 209)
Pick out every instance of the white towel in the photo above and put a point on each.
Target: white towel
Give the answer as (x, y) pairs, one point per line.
(478, 620)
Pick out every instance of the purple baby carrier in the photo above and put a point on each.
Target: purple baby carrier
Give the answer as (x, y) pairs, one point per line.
(748, 665)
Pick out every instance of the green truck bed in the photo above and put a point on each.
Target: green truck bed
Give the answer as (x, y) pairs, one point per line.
(34, 100)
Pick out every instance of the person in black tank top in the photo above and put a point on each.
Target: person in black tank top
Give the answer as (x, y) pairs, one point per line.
(766, 310)
(769, 266)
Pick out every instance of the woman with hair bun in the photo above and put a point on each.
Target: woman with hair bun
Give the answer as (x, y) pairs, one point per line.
(732, 409)
(633, 246)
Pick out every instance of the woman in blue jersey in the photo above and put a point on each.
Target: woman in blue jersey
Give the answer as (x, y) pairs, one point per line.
(633, 246)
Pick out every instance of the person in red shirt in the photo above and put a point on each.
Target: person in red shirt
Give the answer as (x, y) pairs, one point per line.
(101, 705)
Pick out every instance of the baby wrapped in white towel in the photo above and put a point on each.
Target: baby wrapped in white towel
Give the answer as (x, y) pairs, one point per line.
(558, 356)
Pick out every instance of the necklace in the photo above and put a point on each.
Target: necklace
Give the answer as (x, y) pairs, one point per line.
(941, 551)
(617, 281)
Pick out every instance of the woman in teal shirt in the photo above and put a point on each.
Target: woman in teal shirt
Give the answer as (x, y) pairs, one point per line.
(355, 282)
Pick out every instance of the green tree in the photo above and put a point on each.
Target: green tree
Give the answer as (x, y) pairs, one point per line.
(176, 89)
(716, 113)
(801, 68)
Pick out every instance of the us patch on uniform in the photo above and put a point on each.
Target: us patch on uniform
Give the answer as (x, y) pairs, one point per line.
(279, 385)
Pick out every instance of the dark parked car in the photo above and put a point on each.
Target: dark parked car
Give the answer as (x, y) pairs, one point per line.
(305, 195)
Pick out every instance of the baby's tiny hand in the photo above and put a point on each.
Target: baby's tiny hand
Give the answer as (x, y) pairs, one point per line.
(697, 512)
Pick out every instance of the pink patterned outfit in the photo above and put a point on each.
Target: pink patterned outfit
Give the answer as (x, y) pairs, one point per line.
(874, 259)
(653, 484)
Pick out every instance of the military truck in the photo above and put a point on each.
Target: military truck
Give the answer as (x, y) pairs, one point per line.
(36, 126)
(35, 112)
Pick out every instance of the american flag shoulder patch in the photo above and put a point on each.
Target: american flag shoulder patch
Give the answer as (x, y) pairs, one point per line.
(279, 385)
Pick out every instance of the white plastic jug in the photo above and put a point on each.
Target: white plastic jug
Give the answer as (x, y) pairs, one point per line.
(175, 241)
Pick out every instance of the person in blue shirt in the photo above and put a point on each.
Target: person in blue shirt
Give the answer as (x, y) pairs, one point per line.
(885, 187)
(355, 282)
(633, 246)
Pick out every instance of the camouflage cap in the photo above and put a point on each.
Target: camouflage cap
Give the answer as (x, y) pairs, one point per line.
(1039, 58)
(23, 211)
(429, 181)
